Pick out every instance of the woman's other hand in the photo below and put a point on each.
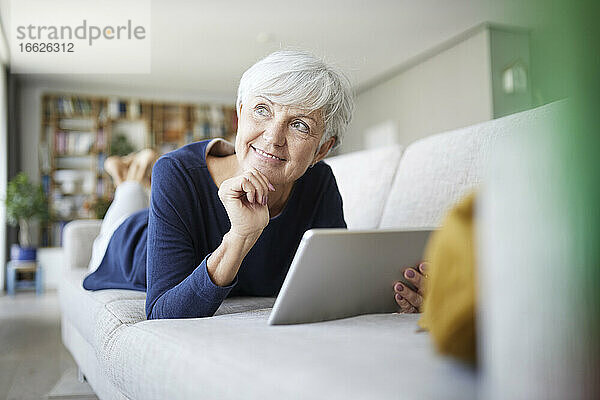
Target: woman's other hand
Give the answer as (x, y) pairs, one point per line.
(411, 301)
(245, 199)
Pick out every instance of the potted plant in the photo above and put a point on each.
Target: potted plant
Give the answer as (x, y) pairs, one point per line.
(25, 202)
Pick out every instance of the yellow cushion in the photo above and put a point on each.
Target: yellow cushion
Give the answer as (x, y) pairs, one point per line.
(449, 306)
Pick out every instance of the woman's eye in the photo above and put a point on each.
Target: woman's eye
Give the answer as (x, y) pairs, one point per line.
(262, 111)
(301, 126)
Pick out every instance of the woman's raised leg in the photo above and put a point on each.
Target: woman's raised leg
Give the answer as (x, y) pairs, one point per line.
(131, 177)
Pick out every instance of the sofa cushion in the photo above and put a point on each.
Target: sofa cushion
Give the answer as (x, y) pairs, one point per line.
(364, 179)
(118, 314)
(436, 172)
(82, 307)
(78, 239)
(97, 314)
(241, 356)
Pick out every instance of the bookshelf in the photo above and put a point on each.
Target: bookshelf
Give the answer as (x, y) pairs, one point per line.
(76, 136)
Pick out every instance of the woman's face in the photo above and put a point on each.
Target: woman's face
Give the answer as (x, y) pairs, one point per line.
(279, 141)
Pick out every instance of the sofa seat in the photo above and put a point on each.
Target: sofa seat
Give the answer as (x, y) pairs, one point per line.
(91, 312)
(83, 307)
(365, 357)
(370, 356)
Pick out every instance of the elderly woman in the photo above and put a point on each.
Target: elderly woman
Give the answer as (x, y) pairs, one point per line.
(225, 220)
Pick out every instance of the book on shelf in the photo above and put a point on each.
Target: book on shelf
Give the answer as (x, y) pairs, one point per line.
(135, 109)
(46, 182)
(64, 105)
(217, 131)
(100, 189)
(113, 108)
(73, 142)
(216, 115)
(44, 153)
(100, 163)
(100, 140)
(122, 108)
(201, 114)
(103, 115)
(69, 106)
(202, 130)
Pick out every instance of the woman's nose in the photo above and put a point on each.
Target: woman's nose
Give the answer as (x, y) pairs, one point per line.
(275, 134)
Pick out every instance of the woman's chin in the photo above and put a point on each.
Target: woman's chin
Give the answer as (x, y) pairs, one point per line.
(272, 175)
(274, 171)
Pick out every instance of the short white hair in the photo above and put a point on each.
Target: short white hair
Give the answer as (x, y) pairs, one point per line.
(300, 79)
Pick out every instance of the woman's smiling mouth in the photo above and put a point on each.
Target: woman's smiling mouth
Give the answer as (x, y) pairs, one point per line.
(266, 155)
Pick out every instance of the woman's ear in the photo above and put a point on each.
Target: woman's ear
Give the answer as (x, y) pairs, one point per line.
(325, 147)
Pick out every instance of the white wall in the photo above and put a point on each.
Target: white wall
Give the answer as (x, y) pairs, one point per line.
(31, 112)
(446, 90)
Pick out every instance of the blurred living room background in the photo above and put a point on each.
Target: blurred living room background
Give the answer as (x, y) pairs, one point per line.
(417, 68)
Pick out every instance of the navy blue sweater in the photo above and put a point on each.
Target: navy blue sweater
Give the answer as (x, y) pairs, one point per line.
(164, 249)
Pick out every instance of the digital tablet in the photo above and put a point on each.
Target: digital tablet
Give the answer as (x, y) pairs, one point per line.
(338, 273)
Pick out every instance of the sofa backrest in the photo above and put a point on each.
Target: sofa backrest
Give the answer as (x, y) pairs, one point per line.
(436, 172)
(364, 179)
(78, 239)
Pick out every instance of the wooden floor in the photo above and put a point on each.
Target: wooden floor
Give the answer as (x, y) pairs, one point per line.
(32, 356)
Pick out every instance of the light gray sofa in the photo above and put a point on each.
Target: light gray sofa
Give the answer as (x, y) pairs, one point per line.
(235, 354)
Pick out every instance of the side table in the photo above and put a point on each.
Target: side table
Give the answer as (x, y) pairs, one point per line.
(12, 283)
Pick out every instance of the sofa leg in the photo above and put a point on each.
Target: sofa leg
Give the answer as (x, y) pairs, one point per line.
(80, 375)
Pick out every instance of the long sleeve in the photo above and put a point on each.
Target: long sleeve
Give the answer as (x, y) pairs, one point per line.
(178, 285)
(195, 296)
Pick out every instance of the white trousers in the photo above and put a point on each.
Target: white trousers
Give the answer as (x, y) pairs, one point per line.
(130, 197)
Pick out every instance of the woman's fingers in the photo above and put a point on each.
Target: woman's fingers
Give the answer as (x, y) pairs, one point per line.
(410, 301)
(265, 185)
(404, 305)
(265, 188)
(265, 181)
(256, 191)
(414, 298)
(414, 277)
(250, 184)
(248, 189)
(423, 269)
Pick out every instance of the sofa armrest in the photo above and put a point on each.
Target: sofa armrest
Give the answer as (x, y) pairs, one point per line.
(78, 237)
